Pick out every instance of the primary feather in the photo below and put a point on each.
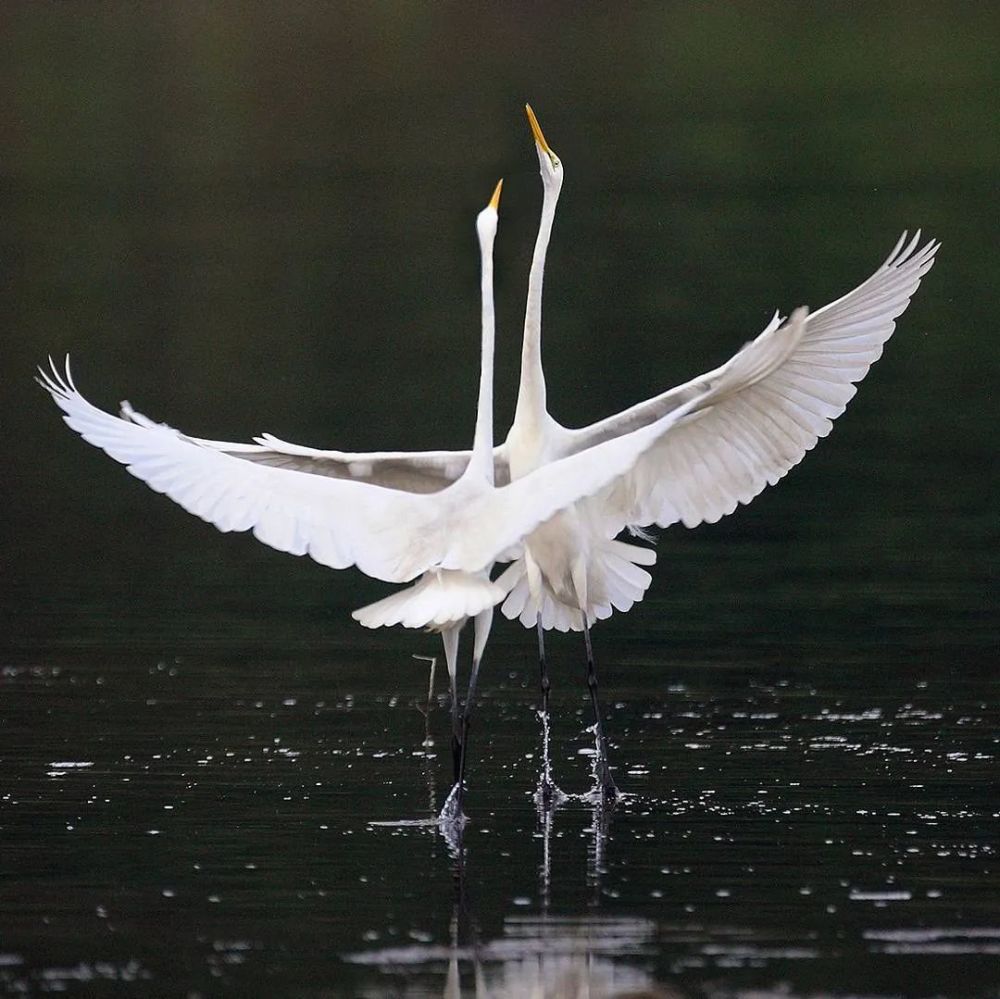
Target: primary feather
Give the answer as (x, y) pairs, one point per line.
(746, 424)
(708, 465)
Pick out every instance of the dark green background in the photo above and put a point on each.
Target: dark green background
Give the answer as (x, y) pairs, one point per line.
(249, 217)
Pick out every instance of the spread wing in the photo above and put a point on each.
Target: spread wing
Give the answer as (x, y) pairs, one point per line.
(718, 441)
(388, 533)
(410, 471)
(727, 453)
(504, 516)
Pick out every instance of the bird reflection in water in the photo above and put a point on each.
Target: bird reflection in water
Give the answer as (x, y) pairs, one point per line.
(541, 956)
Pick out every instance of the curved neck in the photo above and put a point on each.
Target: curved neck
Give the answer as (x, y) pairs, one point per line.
(531, 390)
(482, 445)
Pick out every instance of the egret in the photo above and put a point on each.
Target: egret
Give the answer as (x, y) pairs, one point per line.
(443, 516)
(558, 497)
(572, 572)
(444, 599)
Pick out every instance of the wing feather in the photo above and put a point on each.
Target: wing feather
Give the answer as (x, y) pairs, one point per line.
(409, 471)
(389, 534)
(506, 515)
(691, 454)
(725, 453)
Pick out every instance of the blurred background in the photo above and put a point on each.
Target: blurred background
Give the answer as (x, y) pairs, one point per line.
(260, 217)
(248, 218)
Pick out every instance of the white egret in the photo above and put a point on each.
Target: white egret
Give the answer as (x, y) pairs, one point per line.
(394, 515)
(691, 454)
(444, 599)
(572, 572)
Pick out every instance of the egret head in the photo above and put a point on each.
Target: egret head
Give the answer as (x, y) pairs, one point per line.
(486, 221)
(551, 165)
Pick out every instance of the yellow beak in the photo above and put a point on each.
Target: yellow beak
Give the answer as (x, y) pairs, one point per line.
(495, 200)
(536, 131)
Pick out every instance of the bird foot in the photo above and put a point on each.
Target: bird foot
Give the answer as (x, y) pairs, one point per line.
(609, 790)
(548, 794)
(605, 792)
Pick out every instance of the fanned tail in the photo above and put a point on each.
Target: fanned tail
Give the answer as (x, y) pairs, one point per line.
(616, 581)
(438, 600)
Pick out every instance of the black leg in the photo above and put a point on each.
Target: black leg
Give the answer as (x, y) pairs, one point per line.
(544, 669)
(546, 789)
(450, 638)
(466, 718)
(456, 738)
(608, 789)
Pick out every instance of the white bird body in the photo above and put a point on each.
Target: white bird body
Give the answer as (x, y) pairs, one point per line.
(571, 566)
(551, 498)
(444, 599)
(750, 421)
(569, 561)
(532, 443)
(304, 501)
(572, 572)
(437, 516)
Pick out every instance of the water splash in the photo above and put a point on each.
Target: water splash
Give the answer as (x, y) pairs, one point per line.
(548, 794)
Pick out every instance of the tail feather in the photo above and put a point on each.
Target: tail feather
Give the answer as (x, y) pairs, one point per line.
(439, 599)
(615, 581)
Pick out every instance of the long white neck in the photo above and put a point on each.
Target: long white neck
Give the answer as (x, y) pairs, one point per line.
(482, 445)
(531, 390)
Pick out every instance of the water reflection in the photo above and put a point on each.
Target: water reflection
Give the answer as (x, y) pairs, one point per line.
(838, 847)
(814, 827)
(552, 958)
(544, 956)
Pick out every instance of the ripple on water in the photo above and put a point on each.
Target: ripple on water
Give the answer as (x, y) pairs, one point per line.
(931, 941)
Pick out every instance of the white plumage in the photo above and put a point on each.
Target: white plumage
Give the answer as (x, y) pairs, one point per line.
(550, 498)
(617, 581)
(343, 509)
(439, 600)
(757, 416)
(388, 533)
(709, 463)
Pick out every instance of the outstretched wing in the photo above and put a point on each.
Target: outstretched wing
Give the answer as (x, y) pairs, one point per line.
(389, 534)
(410, 471)
(763, 426)
(502, 517)
(732, 432)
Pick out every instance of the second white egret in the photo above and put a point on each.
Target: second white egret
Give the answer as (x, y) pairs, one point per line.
(573, 572)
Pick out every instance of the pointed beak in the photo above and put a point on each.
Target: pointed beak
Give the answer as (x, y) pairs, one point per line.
(536, 131)
(495, 200)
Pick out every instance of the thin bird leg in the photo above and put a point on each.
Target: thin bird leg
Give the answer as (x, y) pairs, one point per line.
(450, 639)
(456, 738)
(430, 687)
(544, 668)
(484, 621)
(608, 788)
(546, 788)
(466, 715)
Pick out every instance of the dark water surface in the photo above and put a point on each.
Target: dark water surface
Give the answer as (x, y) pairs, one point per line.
(246, 221)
